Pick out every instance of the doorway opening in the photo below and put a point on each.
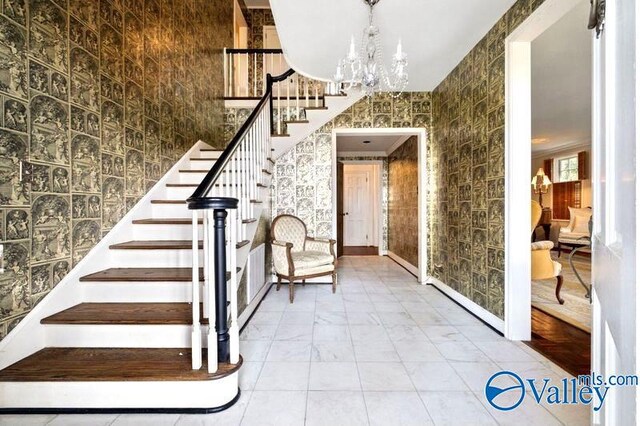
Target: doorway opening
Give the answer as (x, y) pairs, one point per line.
(361, 208)
(548, 110)
(379, 182)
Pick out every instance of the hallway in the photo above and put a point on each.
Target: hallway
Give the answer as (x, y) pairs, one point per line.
(382, 350)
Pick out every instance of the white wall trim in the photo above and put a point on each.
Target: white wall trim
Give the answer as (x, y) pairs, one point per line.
(251, 307)
(469, 304)
(517, 324)
(421, 132)
(408, 266)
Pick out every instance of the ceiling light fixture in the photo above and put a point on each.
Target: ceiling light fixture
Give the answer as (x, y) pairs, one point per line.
(366, 68)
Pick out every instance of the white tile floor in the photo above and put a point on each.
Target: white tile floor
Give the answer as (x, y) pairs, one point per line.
(383, 350)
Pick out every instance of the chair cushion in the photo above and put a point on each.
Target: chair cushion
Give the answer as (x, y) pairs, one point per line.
(542, 245)
(310, 259)
(573, 215)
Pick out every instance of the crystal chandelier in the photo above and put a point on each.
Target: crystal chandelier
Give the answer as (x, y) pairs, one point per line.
(366, 69)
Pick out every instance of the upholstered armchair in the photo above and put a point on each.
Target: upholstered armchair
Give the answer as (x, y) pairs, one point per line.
(542, 266)
(297, 256)
(578, 232)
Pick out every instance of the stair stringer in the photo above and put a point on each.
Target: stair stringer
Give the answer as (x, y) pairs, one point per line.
(29, 335)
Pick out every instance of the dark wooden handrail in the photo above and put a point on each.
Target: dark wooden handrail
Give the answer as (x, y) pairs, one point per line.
(245, 51)
(195, 200)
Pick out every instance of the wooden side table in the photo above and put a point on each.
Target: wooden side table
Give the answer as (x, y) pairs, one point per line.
(545, 222)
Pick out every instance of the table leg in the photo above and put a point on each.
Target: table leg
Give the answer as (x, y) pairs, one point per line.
(575, 271)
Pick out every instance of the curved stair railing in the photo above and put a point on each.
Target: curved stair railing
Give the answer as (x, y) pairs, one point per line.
(223, 203)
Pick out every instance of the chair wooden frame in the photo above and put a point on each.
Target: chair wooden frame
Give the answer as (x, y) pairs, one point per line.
(291, 276)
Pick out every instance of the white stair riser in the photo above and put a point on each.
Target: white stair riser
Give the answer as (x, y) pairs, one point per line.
(190, 177)
(118, 336)
(129, 394)
(182, 193)
(130, 292)
(165, 232)
(152, 258)
(170, 211)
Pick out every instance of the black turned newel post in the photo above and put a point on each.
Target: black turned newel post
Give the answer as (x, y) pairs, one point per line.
(220, 262)
(219, 205)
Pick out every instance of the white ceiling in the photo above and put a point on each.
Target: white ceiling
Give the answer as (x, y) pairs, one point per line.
(561, 84)
(379, 143)
(436, 34)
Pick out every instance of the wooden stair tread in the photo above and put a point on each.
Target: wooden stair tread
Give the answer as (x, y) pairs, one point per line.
(174, 221)
(297, 121)
(141, 274)
(312, 108)
(112, 364)
(162, 245)
(169, 202)
(266, 171)
(280, 135)
(125, 314)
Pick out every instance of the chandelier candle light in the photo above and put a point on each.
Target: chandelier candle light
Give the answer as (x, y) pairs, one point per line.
(366, 68)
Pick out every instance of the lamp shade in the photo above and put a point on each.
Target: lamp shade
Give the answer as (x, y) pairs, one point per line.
(540, 181)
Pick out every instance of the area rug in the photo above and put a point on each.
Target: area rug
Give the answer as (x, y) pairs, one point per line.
(576, 309)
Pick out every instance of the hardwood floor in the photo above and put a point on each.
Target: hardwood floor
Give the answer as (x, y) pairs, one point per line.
(360, 251)
(562, 343)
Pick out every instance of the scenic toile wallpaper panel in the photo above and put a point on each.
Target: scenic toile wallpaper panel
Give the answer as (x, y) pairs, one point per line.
(98, 100)
(468, 160)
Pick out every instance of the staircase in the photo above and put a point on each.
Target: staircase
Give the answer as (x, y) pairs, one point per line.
(148, 320)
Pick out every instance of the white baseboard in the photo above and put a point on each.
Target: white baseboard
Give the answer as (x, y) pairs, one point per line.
(251, 307)
(409, 267)
(469, 304)
(318, 280)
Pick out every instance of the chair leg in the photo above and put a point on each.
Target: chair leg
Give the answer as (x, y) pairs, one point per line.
(279, 284)
(334, 279)
(291, 290)
(558, 288)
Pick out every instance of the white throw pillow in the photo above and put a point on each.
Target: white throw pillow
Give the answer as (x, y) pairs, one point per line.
(580, 220)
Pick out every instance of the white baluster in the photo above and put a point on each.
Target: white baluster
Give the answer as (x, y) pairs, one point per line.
(279, 111)
(234, 337)
(264, 74)
(306, 91)
(225, 68)
(196, 336)
(316, 87)
(206, 255)
(288, 100)
(212, 336)
(255, 74)
(297, 83)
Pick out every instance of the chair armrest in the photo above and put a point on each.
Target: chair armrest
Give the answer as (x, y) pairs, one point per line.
(282, 261)
(541, 245)
(320, 244)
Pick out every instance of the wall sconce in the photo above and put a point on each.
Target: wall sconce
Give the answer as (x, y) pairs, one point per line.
(540, 184)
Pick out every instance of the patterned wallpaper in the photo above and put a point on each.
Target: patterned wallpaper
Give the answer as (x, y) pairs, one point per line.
(468, 160)
(302, 182)
(99, 99)
(403, 201)
(256, 19)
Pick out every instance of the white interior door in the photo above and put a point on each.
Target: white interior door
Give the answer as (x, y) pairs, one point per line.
(358, 214)
(615, 256)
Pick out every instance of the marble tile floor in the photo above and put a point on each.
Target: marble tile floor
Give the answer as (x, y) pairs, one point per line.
(383, 350)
